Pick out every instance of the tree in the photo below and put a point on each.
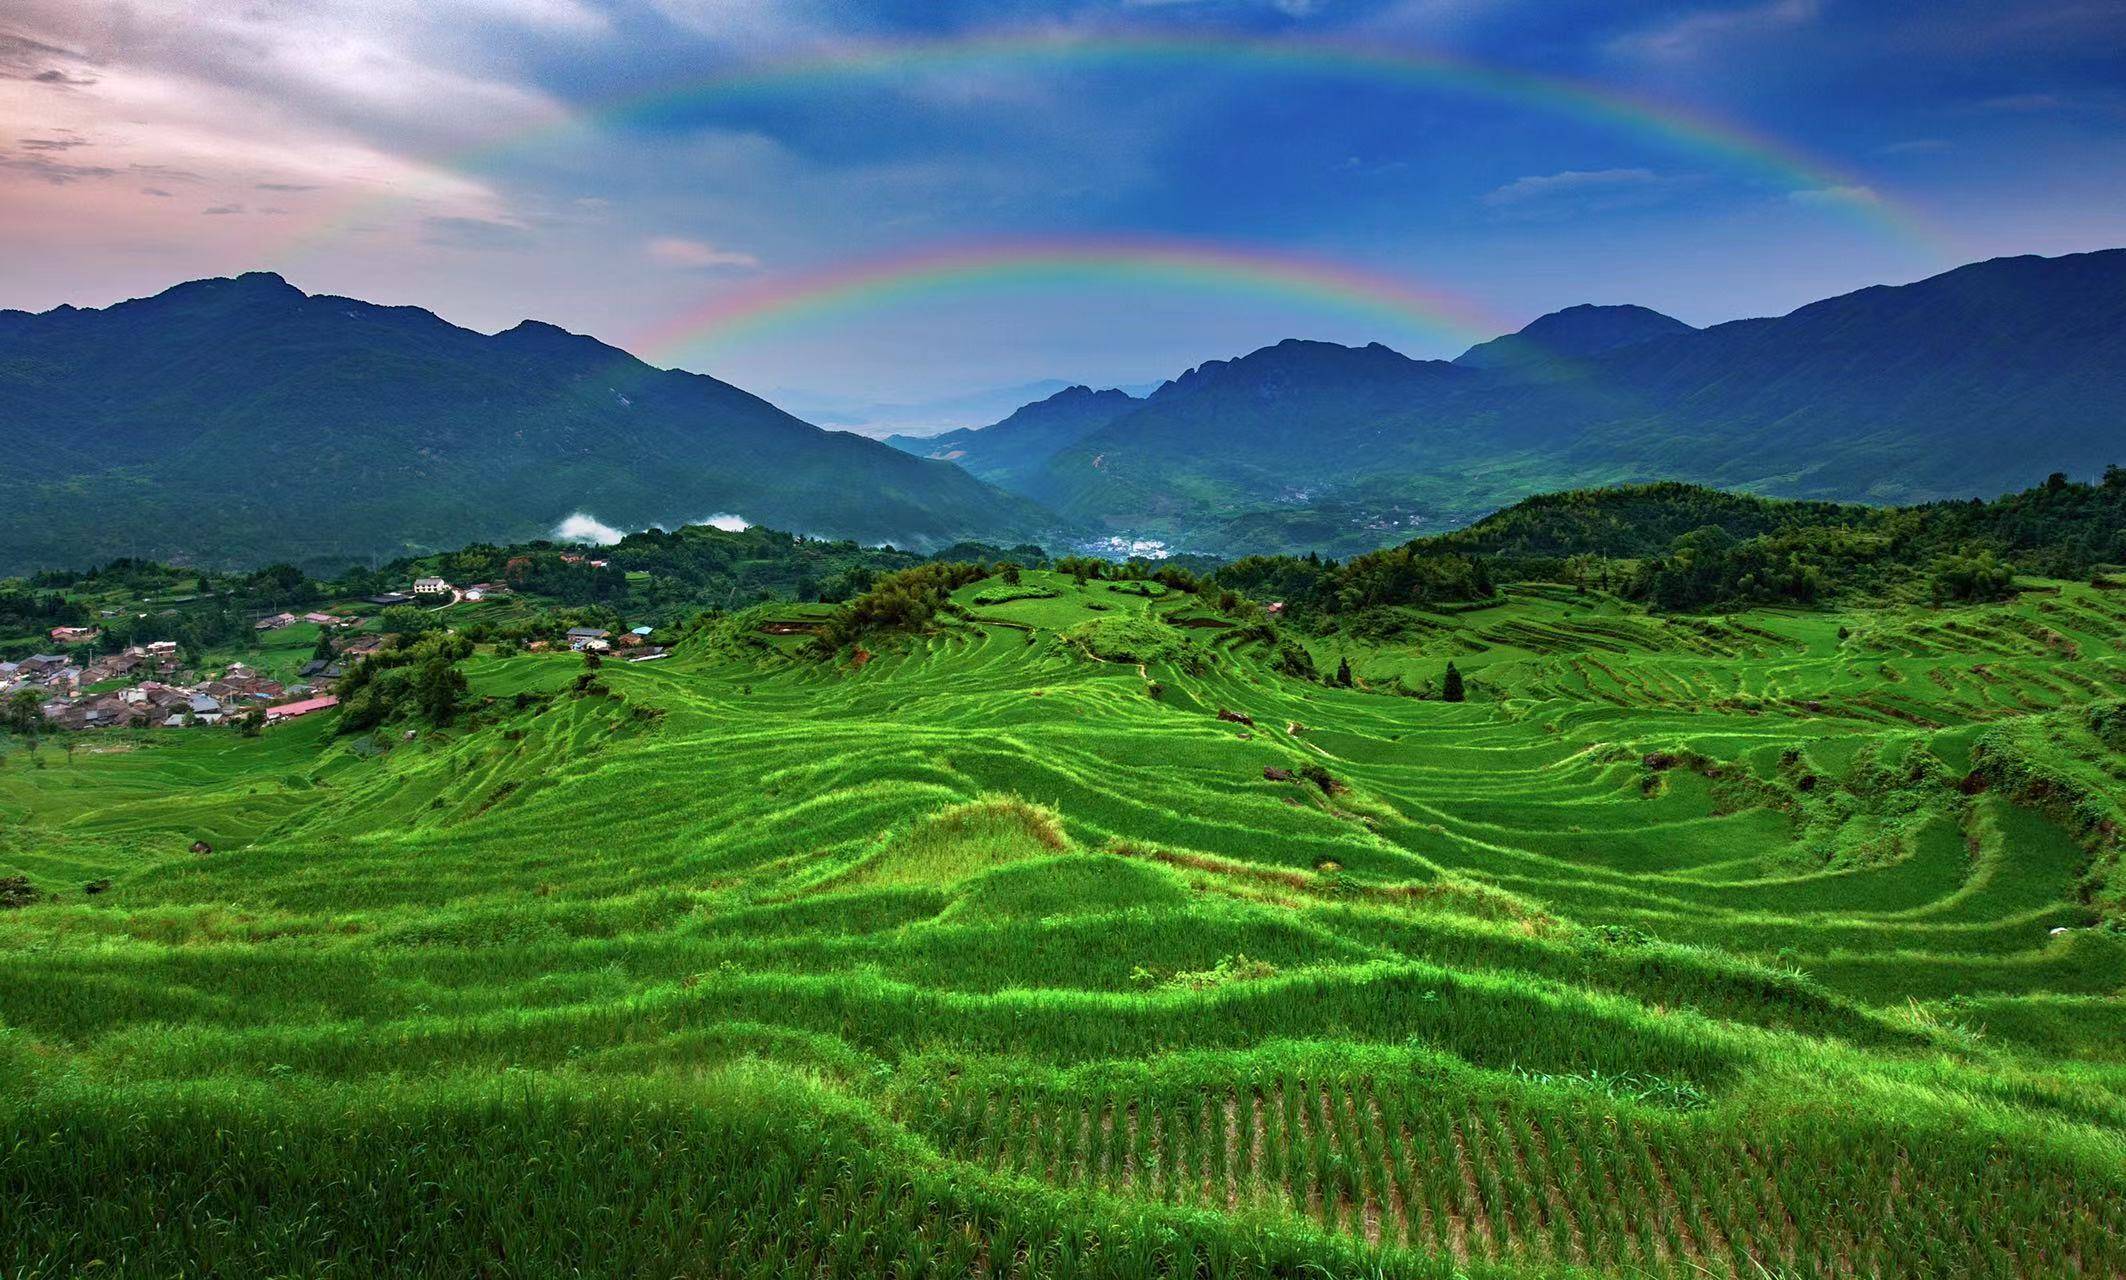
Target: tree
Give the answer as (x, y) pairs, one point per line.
(23, 713)
(322, 651)
(1450, 688)
(1010, 571)
(1343, 672)
(438, 688)
(407, 620)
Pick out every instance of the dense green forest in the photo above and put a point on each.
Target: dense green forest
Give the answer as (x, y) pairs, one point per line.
(1684, 547)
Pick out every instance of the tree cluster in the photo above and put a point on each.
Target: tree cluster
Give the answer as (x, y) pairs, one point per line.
(404, 681)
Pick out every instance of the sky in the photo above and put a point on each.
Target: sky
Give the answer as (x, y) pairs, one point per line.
(917, 203)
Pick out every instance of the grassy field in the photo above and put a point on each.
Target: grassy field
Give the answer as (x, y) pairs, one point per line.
(1781, 944)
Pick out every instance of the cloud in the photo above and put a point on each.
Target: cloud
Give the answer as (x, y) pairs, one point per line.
(346, 96)
(56, 172)
(1580, 187)
(580, 527)
(2021, 103)
(1836, 197)
(681, 252)
(224, 209)
(1914, 147)
(154, 191)
(1695, 34)
(1370, 168)
(473, 233)
(66, 143)
(22, 58)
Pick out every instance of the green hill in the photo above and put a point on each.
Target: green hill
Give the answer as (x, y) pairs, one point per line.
(1068, 926)
(240, 420)
(1006, 453)
(1986, 377)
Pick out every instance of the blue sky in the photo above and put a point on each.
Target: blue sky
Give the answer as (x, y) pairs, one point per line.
(468, 157)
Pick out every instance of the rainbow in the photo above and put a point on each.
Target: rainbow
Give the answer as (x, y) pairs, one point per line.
(1765, 158)
(1700, 134)
(1034, 263)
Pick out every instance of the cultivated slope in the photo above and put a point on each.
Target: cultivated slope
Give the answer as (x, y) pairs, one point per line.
(240, 420)
(1688, 947)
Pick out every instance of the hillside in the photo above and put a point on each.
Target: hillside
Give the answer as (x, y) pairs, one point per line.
(230, 421)
(1572, 334)
(1083, 927)
(1989, 376)
(1006, 453)
(1270, 425)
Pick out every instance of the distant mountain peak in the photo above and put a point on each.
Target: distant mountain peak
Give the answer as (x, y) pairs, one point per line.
(1578, 331)
(387, 427)
(1305, 360)
(539, 336)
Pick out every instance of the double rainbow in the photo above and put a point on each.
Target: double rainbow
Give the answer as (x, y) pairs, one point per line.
(929, 271)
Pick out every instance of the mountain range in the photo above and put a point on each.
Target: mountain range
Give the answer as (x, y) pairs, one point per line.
(1979, 380)
(1011, 452)
(238, 421)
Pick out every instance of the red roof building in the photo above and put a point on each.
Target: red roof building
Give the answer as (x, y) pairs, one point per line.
(290, 711)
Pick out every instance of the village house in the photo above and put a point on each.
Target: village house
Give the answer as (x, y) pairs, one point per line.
(592, 638)
(361, 646)
(115, 667)
(431, 587)
(236, 689)
(74, 635)
(274, 623)
(321, 619)
(390, 598)
(291, 710)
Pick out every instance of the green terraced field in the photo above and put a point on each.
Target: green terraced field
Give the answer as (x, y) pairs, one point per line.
(1783, 944)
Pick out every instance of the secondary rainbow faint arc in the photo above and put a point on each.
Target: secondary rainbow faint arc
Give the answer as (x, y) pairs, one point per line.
(1767, 156)
(1581, 99)
(884, 281)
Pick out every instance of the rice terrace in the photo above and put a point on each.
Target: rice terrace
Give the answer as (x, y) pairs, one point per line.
(1095, 924)
(1062, 640)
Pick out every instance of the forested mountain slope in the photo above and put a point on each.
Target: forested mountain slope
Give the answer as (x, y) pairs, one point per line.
(1981, 379)
(241, 420)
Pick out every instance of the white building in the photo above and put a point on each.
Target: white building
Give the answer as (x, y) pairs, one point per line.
(430, 587)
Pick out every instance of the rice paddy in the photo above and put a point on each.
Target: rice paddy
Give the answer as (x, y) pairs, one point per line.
(1781, 944)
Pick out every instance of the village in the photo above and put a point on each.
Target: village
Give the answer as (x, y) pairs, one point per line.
(154, 686)
(159, 685)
